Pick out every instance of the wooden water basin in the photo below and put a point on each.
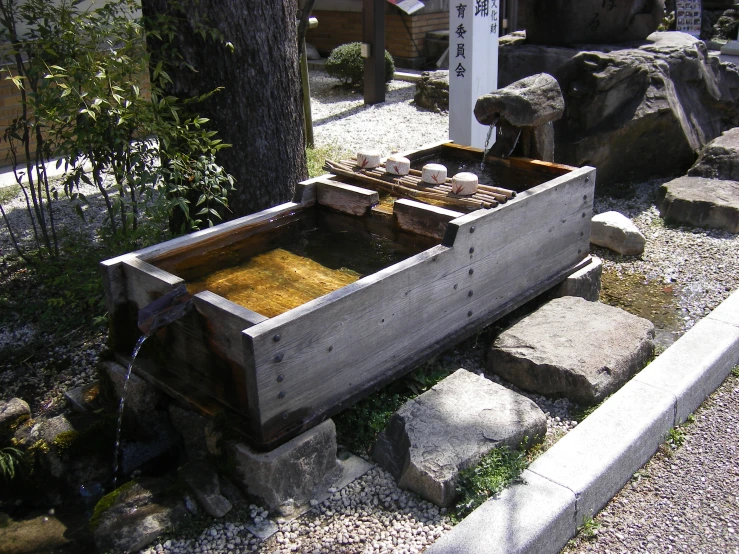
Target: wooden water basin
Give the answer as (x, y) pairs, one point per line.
(440, 275)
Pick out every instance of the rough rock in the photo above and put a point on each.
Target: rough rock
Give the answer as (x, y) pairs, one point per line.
(591, 21)
(292, 474)
(311, 52)
(701, 202)
(530, 102)
(141, 397)
(633, 111)
(432, 91)
(581, 350)
(726, 26)
(616, 232)
(584, 283)
(12, 413)
(135, 514)
(449, 428)
(194, 430)
(720, 158)
(202, 478)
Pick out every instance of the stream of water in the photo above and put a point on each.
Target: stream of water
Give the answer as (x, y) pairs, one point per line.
(116, 450)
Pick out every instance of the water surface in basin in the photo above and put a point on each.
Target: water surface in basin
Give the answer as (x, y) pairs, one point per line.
(311, 255)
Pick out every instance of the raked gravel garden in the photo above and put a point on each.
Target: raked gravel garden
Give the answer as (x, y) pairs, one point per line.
(682, 275)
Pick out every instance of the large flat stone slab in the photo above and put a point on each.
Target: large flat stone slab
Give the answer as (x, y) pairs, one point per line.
(701, 202)
(449, 428)
(574, 348)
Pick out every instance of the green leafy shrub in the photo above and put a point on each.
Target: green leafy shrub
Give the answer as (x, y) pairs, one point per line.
(78, 71)
(346, 64)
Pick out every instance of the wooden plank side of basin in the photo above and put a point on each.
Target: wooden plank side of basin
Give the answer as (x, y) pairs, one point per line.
(423, 219)
(309, 362)
(196, 244)
(345, 198)
(204, 349)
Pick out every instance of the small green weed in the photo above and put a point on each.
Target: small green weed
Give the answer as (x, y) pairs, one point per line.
(589, 528)
(492, 474)
(735, 371)
(358, 426)
(9, 193)
(579, 412)
(676, 438)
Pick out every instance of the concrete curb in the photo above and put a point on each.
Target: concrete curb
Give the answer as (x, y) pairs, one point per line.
(581, 473)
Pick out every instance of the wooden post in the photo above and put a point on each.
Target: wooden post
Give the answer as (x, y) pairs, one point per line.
(373, 15)
(307, 115)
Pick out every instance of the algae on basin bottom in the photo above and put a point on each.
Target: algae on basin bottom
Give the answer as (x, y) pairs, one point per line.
(651, 300)
(274, 282)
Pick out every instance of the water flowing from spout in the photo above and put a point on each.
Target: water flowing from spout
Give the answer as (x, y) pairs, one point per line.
(116, 450)
(488, 146)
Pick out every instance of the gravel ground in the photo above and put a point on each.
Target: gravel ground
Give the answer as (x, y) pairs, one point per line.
(372, 514)
(682, 500)
(340, 118)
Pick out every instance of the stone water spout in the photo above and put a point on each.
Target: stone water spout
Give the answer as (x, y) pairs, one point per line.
(523, 112)
(165, 310)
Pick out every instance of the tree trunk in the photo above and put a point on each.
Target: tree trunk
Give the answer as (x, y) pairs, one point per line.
(259, 112)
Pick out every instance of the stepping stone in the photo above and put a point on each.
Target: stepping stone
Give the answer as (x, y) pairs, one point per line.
(701, 202)
(449, 428)
(719, 159)
(135, 514)
(573, 348)
(616, 232)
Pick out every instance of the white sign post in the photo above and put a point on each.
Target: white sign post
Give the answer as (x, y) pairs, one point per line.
(473, 65)
(688, 14)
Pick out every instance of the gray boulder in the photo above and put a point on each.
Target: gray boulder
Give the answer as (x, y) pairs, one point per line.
(574, 348)
(701, 202)
(591, 21)
(12, 413)
(141, 397)
(530, 102)
(720, 158)
(449, 428)
(523, 113)
(633, 111)
(202, 478)
(584, 283)
(196, 432)
(616, 232)
(135, 514)
(292, 474)
(432, 91)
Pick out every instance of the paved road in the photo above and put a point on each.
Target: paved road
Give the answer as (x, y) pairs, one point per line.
(686, 499)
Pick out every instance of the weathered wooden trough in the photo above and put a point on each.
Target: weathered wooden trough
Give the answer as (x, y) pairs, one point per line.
(277, 376)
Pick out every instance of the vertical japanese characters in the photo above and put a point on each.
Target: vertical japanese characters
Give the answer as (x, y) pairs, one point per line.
(483, 9)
